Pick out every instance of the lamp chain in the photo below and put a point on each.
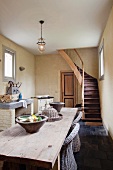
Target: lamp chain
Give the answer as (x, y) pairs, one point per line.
(41, 30)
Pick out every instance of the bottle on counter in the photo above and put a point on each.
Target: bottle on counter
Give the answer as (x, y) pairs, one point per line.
(20, 96)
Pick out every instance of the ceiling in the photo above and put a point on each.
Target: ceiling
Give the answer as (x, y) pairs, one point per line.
(67, 23)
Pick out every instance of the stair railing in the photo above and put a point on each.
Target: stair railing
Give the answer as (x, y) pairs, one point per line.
(72, 65)
(76, 72)
(82, 85)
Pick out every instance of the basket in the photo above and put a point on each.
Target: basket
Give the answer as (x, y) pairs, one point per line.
(52, 114)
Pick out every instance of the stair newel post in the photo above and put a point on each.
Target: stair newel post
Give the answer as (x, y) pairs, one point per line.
(83, 90)
(82, 82)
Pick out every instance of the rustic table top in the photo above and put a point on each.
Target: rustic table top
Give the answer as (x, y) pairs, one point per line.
(40, 148)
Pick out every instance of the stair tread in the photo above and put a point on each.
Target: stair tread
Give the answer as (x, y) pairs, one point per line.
(94, 123)
(91, 98)
(90, 84)
(89, 90)
(90, 78)
(95, 81)
(91, 118)
(92, 104)
(87, 102)
(92, 108)
(90, 94)
(92, 113)
(87, 86)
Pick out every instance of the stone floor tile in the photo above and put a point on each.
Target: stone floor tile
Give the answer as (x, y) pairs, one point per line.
(106, 147)
(97, 154)
(109, 155)
(96, 151)
(107, 164)
(91, 146)
(87, 168)
(92, 163)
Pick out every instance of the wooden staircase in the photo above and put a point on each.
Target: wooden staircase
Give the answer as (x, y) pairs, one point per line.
(90, 102)
(92, 112)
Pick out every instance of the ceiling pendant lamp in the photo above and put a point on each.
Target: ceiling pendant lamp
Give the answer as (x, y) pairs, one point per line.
(41, 43)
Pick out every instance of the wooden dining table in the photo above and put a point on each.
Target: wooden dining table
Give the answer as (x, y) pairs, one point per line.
(41, 149)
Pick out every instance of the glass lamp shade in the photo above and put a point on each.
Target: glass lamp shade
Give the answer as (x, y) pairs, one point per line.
(41, 45)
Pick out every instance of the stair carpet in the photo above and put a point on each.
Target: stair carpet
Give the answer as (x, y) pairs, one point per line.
(92, 115)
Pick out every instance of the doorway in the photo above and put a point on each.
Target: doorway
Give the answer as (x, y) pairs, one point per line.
(68, 88)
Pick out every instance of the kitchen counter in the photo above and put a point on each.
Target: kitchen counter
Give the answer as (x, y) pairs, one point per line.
(43, 97)
(14, 105)
(9, 111)
(41, 101)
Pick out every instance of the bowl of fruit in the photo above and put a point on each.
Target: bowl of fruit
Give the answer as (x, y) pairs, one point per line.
(31, 123)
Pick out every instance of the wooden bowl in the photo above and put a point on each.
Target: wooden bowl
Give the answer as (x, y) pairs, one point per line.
(31, 127)
(57, 105)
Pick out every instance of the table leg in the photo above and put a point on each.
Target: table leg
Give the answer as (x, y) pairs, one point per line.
(1, 165)
(57, 163)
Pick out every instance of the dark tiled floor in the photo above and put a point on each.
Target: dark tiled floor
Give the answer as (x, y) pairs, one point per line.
(96, 151)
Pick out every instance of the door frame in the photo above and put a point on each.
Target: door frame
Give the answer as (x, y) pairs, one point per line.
(61, 93)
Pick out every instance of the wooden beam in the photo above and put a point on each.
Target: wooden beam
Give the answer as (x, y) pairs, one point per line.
(72, 65)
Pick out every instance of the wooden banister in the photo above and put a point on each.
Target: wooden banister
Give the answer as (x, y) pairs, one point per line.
(82, 81)
(72, 65)
(76, 72)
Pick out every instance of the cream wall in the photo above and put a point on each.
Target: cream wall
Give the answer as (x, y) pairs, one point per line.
(48, 69)
(90, 58)
(23, 58)
(44, 70)
(106, 85)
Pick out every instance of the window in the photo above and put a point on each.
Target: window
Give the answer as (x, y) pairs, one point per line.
(101, 62)
(9, 56)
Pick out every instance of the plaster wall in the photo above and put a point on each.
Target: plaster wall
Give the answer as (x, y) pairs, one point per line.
(25, 59)
(89, 57)
(106, 85)
(48, 69)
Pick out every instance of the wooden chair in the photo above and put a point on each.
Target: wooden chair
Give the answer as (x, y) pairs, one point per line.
(67, 160)
(76, 144)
